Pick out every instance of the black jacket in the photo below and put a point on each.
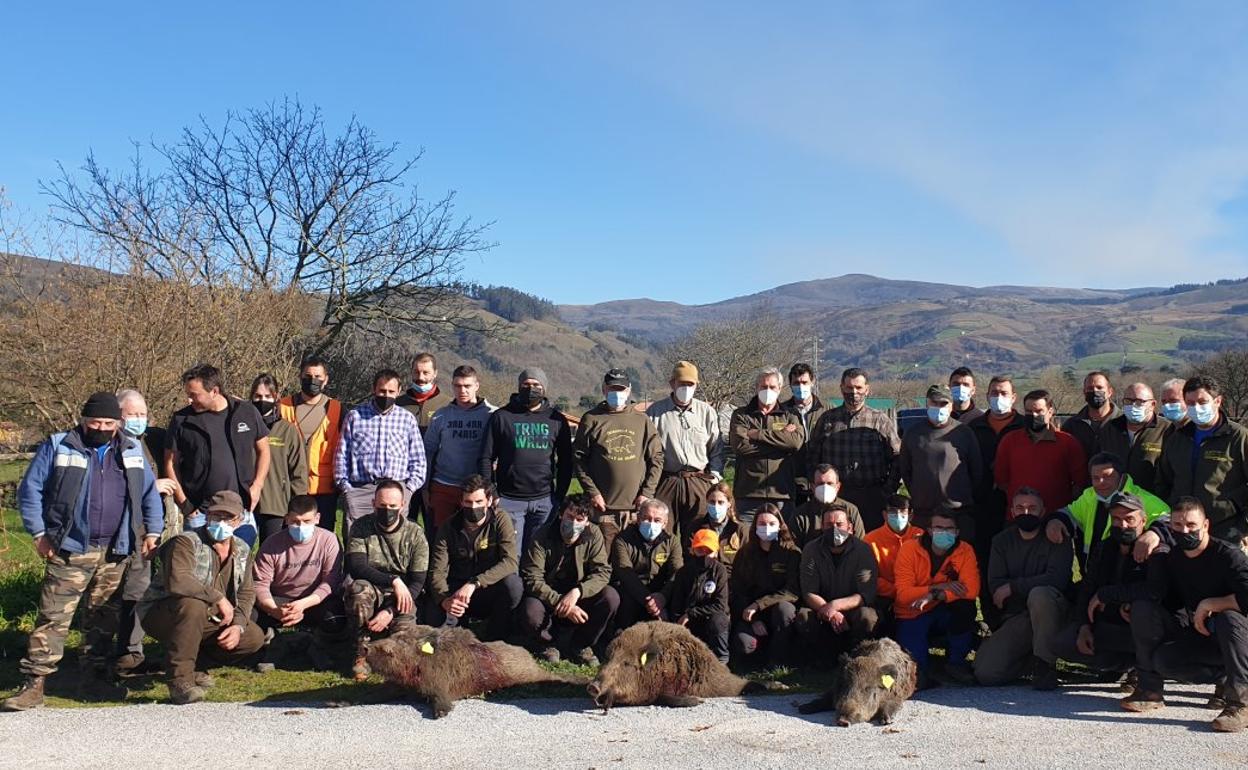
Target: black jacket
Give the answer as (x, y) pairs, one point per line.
(533, 451)
(194, 449)
(699, 591)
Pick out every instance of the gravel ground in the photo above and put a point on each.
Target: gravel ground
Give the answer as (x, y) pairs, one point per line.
(1013, 727)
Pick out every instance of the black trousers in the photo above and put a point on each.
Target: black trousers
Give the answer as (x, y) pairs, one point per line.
(540, 626)
(779, 619)
(495, 603)
(1190, 656)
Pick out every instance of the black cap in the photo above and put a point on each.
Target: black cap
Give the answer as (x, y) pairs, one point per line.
(616, 377)
(102, 405)
(1126, 500)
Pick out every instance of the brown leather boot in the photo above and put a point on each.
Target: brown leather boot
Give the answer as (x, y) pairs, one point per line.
(29, 697)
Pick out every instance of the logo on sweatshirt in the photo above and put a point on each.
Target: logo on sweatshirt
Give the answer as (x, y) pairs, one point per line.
(532, 435)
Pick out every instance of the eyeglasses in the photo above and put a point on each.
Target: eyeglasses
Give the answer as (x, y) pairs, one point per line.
(1137, 401)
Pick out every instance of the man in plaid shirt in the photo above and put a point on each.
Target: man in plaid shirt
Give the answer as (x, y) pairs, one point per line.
(862, 444)
(378, 442)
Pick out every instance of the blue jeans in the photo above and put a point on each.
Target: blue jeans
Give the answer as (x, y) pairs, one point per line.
(527, 516)
(956, 619)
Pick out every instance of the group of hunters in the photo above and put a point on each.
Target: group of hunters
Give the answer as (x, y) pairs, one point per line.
(965, 533)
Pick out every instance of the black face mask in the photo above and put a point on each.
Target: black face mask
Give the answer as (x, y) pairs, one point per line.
(1027, 523)
(1037, 423)
(96, 438)
(265, 408)
(1096, 398)
(1187, 541)
(531, 396)
(310, 385)
(387, 517)
(1126, 536)
(383, 403)
(474, 515)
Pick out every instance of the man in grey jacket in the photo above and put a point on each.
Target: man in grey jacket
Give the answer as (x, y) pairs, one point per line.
(940, 463)
(453, 445)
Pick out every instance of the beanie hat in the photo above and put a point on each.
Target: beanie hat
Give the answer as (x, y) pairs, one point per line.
(102, 405)
(532, 373)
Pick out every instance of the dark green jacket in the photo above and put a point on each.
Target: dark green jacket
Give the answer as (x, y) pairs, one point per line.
(541, 562)
(1217, 475)
(765, 578)
(767, 467)
(638, 568)
(805, 521)
(1141, 456)
(487, 557)
(288, 469)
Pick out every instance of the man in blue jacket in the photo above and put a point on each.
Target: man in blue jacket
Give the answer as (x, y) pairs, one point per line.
(89, 499)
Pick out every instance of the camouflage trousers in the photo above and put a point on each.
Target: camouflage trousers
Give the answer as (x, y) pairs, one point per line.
(68, 578)
(364, 600)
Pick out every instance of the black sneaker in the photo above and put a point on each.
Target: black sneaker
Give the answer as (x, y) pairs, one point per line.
(1044, 676)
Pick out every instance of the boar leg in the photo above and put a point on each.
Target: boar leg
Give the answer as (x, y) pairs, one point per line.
(824, 702)
(887, 711)
(678, 701)
(441, 704)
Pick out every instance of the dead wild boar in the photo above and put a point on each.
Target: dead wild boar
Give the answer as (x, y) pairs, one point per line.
(447, 664)
(870, 685)
(663, 663)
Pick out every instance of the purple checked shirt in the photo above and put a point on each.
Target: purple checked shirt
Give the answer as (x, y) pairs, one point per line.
(377, 446)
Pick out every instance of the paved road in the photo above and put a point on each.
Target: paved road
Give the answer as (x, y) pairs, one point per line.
(1012, 727)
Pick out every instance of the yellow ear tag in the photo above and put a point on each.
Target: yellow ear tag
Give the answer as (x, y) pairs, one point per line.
(887, 681)
(426, 648)
(643, 659)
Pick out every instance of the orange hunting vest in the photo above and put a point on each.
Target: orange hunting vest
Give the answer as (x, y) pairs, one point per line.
(321, 445)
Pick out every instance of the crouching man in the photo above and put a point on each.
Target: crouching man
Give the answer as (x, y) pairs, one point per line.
(387, 558)
(472, 570)
(199, 604)
(565, 573)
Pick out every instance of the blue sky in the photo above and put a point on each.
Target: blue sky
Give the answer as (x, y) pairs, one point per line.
(698, 151)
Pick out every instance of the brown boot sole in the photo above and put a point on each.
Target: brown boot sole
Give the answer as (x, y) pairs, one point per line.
(1141, 706)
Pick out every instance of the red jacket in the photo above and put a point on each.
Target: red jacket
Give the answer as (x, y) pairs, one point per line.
(1057, 467)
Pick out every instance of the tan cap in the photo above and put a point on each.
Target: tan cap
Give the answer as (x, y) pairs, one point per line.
(685, 371)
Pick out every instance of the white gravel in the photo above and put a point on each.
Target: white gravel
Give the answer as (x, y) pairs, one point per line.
(1080, 726)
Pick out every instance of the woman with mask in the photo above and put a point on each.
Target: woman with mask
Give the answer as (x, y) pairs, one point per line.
(288, 463)
(764, 589)
(721, 517)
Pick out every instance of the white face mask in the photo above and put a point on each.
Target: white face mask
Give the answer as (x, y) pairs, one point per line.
(1001, 404)
(767, 396)
(684, 393)
(825, 493)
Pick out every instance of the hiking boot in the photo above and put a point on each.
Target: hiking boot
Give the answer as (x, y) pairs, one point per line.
(128, 663)
(960, 673)
(204, 679)
(1217, 701)
(1141, 701)
(181, 694)
(1129, 682)
(550, 654)
(30, 696)
(1044, 676)
(586, 657)
(1232, 719)
(360, 670)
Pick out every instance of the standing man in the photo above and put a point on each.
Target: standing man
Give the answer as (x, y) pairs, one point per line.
(940, 463)
(318, 419)
(1086, 426)
(962, 390)
(89, 500)
(862, 443)
(379, 441)
(1208, 459)
(1042, 457)
(453, 445)
(216, 442)
(527, 450)
(806, 404)
(619, 457)
(767, 441)
(693, 450)
(1136, 435)
(423, 398)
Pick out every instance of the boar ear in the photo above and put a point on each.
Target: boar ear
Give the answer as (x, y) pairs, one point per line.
(888, 675)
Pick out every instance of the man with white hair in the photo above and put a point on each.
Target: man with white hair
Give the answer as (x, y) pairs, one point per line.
(1136, 435)
(1172, 406)
(768, 442)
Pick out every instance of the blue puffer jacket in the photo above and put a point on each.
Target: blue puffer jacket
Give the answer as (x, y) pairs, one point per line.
(53, 494)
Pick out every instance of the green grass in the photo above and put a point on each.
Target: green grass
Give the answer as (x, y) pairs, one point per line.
(1111, 361)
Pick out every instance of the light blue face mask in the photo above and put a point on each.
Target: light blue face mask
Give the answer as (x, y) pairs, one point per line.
(716, 512)
(135, 426)
(961, 393)
(220, 531)
(1203, 414)
(1174, 411)
(419, 388)
(301, 533)
(617, 398)
(944, 540)
(650, 529)
(195, 520)
(801, 392)
(898, 522)
(1136, 413)
(939, 415)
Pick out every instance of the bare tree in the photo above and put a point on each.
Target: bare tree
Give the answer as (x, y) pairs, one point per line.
(729, 353)
(1230, 369)
(269, 201)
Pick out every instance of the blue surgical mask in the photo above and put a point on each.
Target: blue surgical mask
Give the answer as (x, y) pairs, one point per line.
(801, 392)
(617, 398)
(419, 388)
(767, 532)
(898, 521)
(1174, 411)
(717, 512)
(220, 531)
(961, 393)
(195, 520)
(1203, 414)
(1135, 413)
(571, 529)
(650, 529)
(301, 533)
(939, 414)
(135, 426)
(944, 540)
